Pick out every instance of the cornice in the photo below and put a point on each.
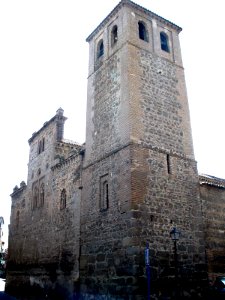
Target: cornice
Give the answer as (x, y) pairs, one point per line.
(211, 180)
(73, 158)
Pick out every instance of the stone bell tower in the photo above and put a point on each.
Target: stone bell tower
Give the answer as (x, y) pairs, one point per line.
(140, 177)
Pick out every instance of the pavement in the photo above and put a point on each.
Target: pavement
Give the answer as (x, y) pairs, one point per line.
(4, 296)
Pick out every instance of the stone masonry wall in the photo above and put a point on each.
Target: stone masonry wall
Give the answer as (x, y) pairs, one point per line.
(164, 105)
(105, 86)
(44, 241)
(113, 241)
(213, 204)
(161, 199)
(107, 264)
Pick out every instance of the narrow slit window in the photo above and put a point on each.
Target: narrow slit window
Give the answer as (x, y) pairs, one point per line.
(63, 199)
(17, 219)
(43, 144)
(168, 164)
(164, 42)
(42, 194)
(35, 198)
(104, 193)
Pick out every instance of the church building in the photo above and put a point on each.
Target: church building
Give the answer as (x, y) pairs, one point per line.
(126, 213)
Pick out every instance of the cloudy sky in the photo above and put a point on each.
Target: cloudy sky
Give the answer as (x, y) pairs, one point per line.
(43, 66)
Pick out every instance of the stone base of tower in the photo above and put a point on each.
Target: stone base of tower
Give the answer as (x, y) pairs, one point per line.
(149, 192)
(193, 286)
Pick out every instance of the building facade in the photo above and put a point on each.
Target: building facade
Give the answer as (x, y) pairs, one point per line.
(80, 225)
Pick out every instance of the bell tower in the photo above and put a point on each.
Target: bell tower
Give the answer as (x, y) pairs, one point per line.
(140, 177)
(136, 86)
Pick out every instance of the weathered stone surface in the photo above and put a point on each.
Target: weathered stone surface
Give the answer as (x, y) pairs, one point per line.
(80, 226)
(44, 239)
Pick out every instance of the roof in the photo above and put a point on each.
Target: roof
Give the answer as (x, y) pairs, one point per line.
(136, 6)
(211, 180)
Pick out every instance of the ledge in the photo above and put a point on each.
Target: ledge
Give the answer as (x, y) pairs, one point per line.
(205, 179)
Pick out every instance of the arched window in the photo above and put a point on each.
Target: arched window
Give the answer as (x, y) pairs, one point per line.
(114, 35)
(143, 34)
(42, 194)
(164, 42)
(104, 193)
(41, 146)
(100, 49)
(63, 199)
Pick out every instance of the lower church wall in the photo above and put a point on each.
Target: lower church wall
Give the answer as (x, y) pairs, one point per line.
(44, 244)
(213, 205)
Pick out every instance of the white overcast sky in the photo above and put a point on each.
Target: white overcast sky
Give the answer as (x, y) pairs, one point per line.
(43, 66)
